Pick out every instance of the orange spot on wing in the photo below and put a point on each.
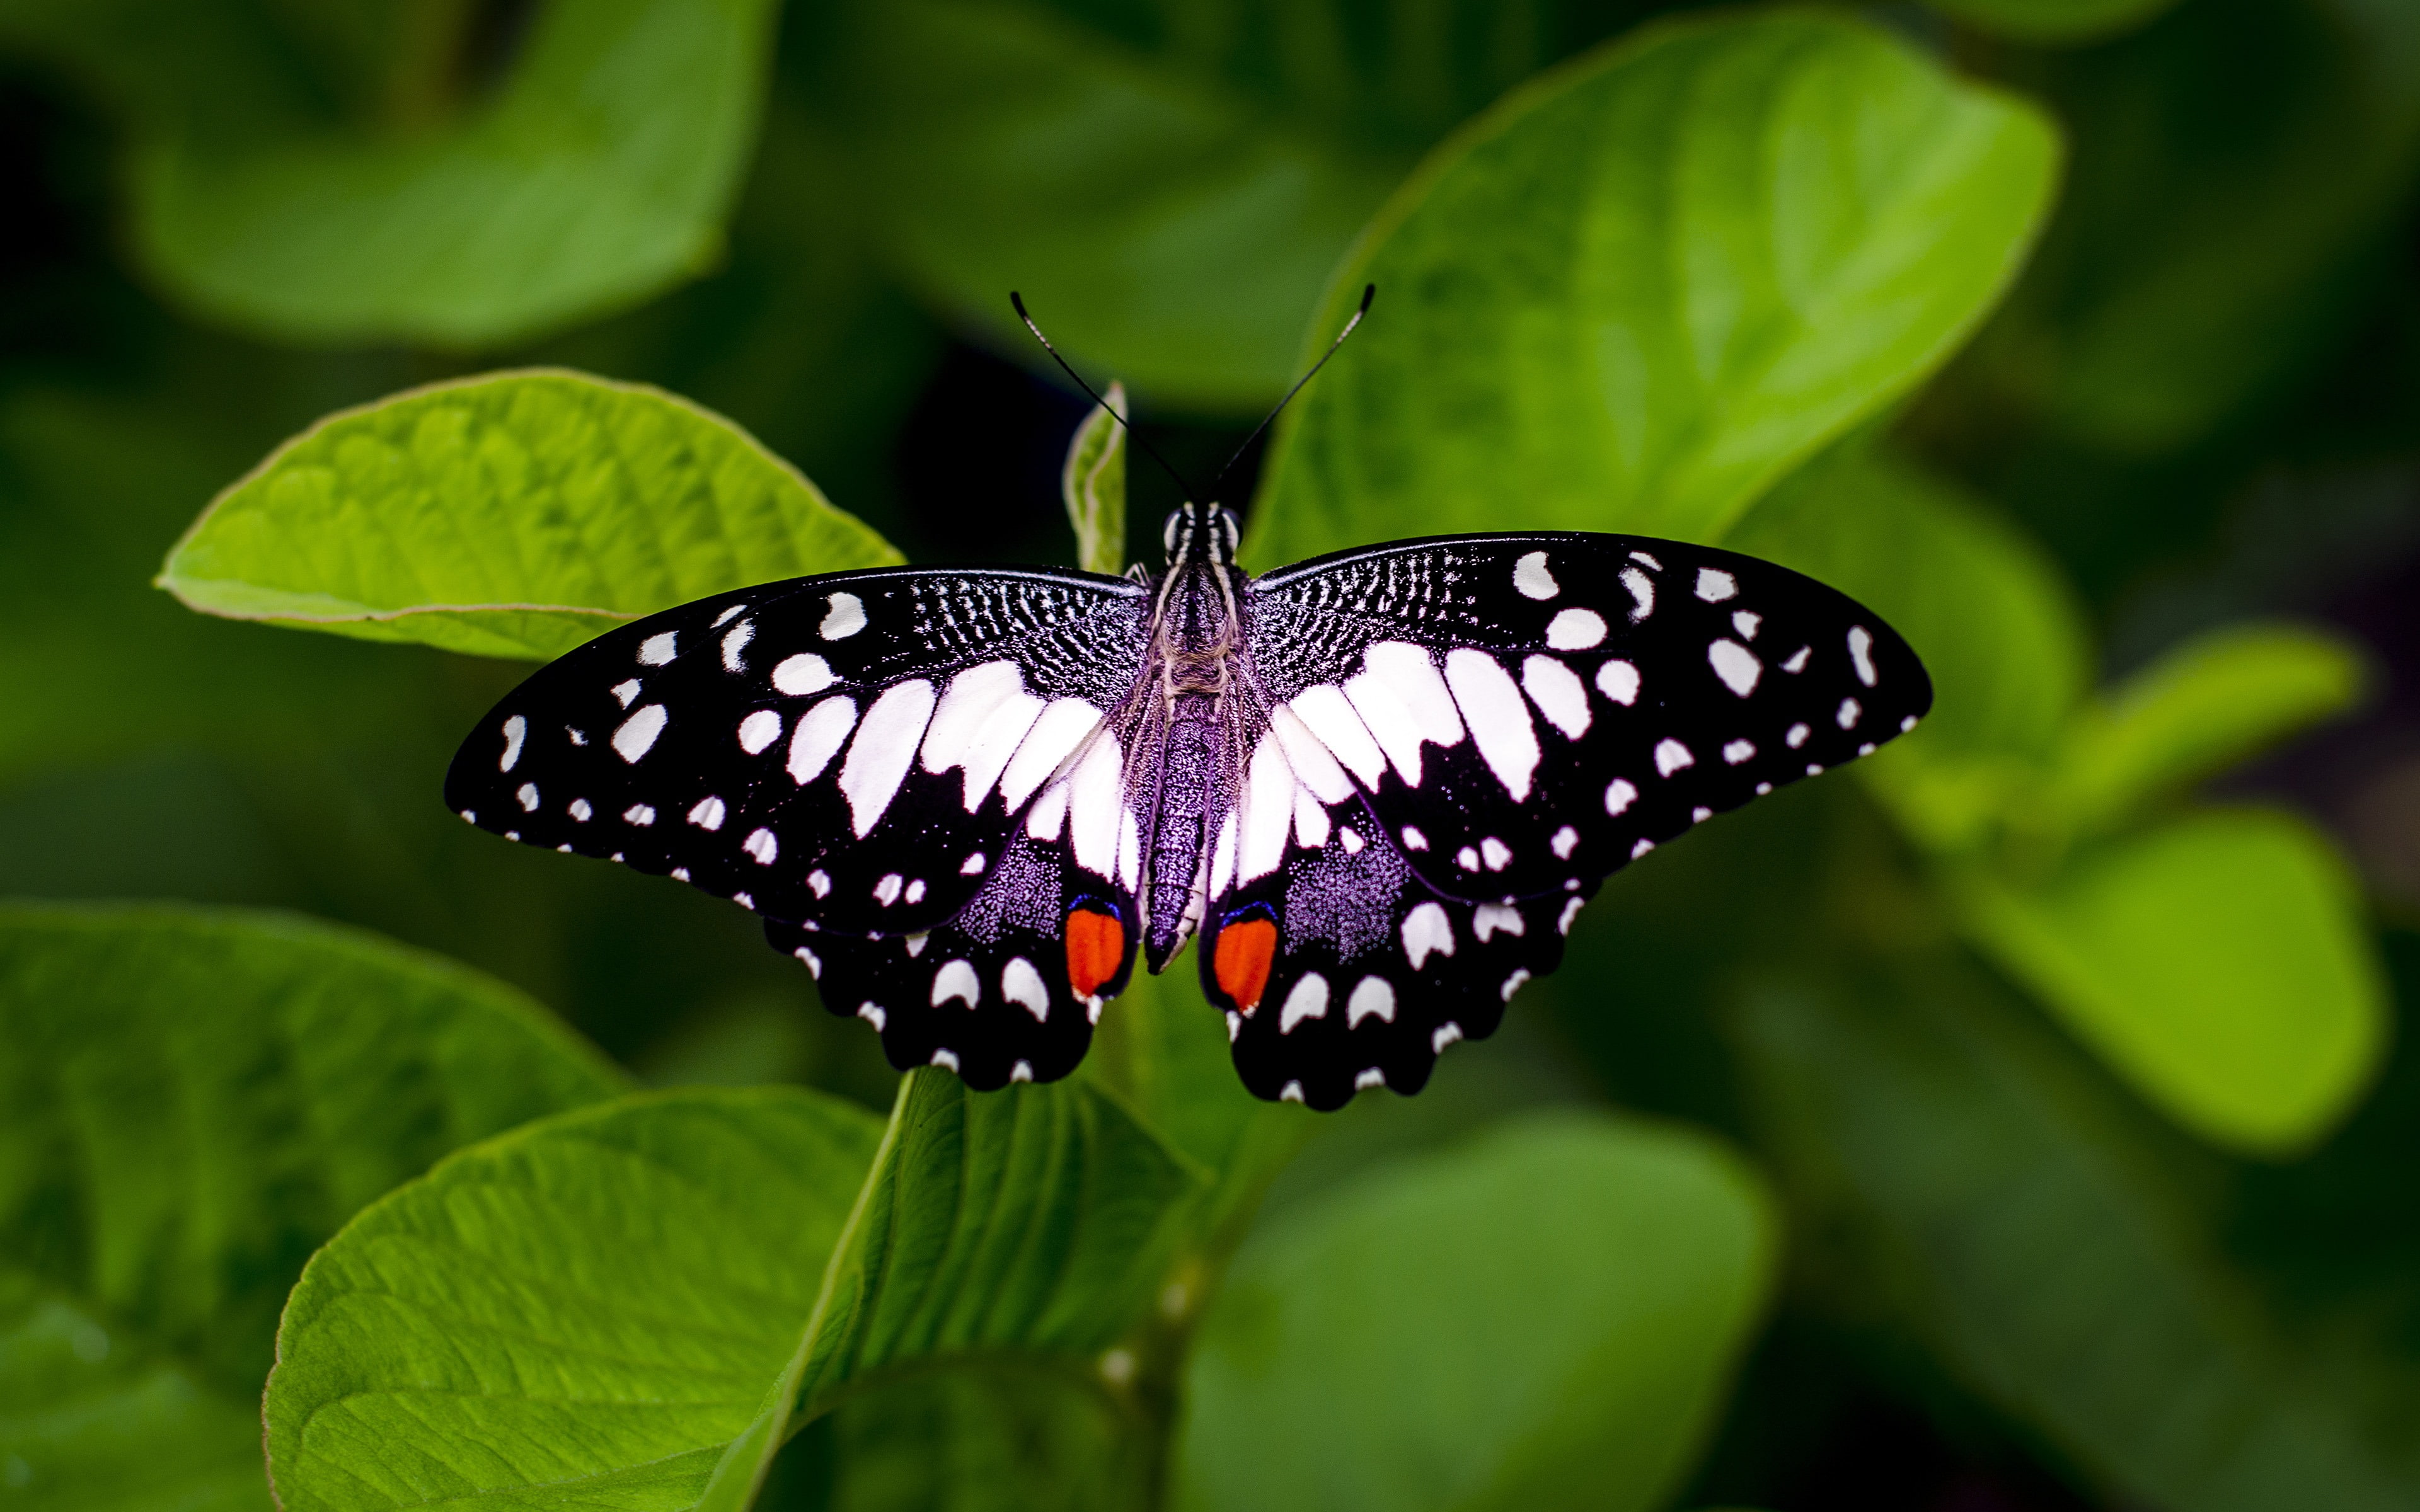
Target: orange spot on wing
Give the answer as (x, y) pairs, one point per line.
(1097, 946)
(1242, 961)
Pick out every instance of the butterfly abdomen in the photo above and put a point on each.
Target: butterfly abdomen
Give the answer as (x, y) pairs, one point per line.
(1187, 783)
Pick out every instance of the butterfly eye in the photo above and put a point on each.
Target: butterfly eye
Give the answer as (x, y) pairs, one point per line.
(1167, 533)
(1228, 533)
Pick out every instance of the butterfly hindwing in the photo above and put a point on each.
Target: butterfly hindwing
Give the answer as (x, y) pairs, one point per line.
(849, 750)
(1525, 711)
(1008, 990)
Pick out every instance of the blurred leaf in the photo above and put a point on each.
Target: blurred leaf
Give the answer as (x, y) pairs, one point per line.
(1546, 1318)
(2052, 22)
(2237, 167)
(1974, 1180)
(2220, 963)
(2202, 708)
(513, 514)
(978, 1437)
(1095, 486)
(1995, 623)
(189, 1102)
(1643, 287)
(639, 1301)
(598, 171)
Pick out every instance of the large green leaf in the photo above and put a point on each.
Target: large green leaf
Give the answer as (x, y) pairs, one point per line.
(1543, 1319)
(2203, 707)
(1093, 484)
(636, 1304)
(189, 1102)
(2220, 963)
(514, 515)
(1981, 1184)
(1647, 284)
(597, 171)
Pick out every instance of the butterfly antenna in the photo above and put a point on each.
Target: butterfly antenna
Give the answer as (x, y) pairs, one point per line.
(1369, 292)
(1184, 488)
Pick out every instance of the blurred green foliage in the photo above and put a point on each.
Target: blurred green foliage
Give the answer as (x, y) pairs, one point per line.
(2019, 1120)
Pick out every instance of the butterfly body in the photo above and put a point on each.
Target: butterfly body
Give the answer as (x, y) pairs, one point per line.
(1378, 785)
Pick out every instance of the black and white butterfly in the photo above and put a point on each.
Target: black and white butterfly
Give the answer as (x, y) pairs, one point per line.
(1378, 784)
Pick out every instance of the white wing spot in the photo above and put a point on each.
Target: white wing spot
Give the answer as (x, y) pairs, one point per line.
(1850, 712)
(1021, 1071)
(1235, 1026)
(1671, 756)
(680, 873)
(1570, 910)
(1413, 840)
(1558, 693)
(1495, 854)
(527, 795)
(1023, 985)
(1715, 586)
(1618, 681)
(916, 890)
(1446, 1034)
(744, 900)
(655, 650)
(639, 732)
(1763, 787)
(1738, 752)
(1308, 1000)
(1497, 918)
(707, 815)
(515, 727)
(1500, 724)
(1796, 736)
(1642, 593)
(886, 891)
(884, 748)
(956, 981)
(761, 844)
(1373, 999)
(736, 642)
(1566, 841)
(639, 813)
(1512, 985)
(802, 674)
(1427, 929)
(819, 882)
(975, 866)
(1642, 848)
(1367, 1079)
(1620, 794)
(1575, 629)
(724, 618)
(845, 618)
(1701, 814)
(819, 736)
(1291, 1092)
(815, 962)
(946, 1059)
(1746, 623)
(1644, 557)
(579, 737)
(872, 1014)
(1736, 665)
(579, 810)
(1861, 653)
(1866, 749)
(1466, 857)
(1531, 576)
(915, 943)
(1352, 841)
(1797, 662)
(758, 731)
(627, 689)
(1907, 724)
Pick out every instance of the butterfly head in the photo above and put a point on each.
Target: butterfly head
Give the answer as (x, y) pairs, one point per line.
(1200, 533)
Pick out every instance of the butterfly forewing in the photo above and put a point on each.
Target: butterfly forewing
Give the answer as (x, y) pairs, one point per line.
(849, 750)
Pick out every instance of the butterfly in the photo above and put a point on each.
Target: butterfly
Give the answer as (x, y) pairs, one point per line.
(1377, 785)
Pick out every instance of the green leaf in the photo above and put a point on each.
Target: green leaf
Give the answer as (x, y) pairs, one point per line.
(1544, 1318)
(2053, 21)
(1093, 483)
(977, 1438)
(598, 172)
(2200, 709)
(2237, 169)
(189, 1102)
(514, 515)
(1979, 1183)
(1649, 284)
(1991, 616)
(2220, 963)
(637, 1303)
